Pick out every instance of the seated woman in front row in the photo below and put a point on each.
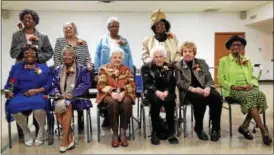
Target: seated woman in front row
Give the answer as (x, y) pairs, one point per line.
(159, 89)
(70, 80)
(27, 82)
(194, 78)
(116, 91)
(235, 75)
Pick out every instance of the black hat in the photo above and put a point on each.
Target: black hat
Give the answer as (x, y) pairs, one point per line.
(229, 42)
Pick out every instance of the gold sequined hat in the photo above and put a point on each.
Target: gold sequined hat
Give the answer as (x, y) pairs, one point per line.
(156, 16)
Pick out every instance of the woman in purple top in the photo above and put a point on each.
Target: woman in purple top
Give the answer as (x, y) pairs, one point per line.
(71, 81)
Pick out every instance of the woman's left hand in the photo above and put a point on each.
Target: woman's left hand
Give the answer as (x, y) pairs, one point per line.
(206, 91)
(31, 92)
(249, 87)
(68, 96)
(89, 67)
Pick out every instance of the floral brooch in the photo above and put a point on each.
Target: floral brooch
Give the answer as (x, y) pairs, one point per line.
(197, 68)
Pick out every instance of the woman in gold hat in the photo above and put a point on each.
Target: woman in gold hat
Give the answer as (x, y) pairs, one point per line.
(162, 37)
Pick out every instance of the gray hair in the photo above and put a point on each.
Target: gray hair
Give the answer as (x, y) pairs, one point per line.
(111, 20)
(68, 48)
(116, 50)
(155, 49)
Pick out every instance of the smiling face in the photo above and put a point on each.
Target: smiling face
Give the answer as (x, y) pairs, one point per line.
(160, 27)
(30, 56)
(28, 21)
(116, 59)
(236, 47)
(113, 28)
(158, 58)
(69, 30)
(68, 57)
(188, 54)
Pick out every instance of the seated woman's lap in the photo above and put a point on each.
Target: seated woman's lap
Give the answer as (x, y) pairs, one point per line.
(108, 100)
(250, 99)
(157, 103)
(21, 103)
(213, 98)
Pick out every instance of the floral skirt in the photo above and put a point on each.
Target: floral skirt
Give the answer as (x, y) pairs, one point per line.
(250, 99)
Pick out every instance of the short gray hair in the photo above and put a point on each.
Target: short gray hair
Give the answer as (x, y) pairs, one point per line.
(155, 49)
(111, 20)
(116, 50)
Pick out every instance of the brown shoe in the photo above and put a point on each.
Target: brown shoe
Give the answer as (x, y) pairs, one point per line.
(115, 143)
(124, 142)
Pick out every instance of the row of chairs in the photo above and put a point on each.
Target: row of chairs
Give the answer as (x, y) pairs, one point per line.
(180, 115)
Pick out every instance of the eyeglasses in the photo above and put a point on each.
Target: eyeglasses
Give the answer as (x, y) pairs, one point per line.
(234, 45)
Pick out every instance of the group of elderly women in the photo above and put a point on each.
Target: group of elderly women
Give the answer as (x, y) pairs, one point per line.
(167, 72)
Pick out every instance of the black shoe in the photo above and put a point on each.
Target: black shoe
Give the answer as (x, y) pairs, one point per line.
(267, 140)
(105, 124)
(154, 139)
(246, 134)
(173, 140)
(215, 135)
(202, 135)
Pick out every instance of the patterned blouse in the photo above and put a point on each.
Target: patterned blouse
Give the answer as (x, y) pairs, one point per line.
(109, 81)
(82, 52)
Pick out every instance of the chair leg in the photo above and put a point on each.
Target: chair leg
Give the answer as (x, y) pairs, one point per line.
(98, 125)
(129, 129)
(75, 127)
(230, 120)
(141, 119)
(138, 104)
(144, 120)
(90, 122)
(185, 124)
(9, 128)
(87, 125)
(176, 122)
(192, 114)
(133, 132)
(209, 121)
(50, 128)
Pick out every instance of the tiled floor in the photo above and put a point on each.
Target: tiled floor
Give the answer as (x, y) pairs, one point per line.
(189, 145)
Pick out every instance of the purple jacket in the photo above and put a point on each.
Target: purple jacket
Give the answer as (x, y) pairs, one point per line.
(82, 85)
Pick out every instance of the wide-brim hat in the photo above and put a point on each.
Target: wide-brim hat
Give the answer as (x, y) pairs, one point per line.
(229, 42)
(156, 16)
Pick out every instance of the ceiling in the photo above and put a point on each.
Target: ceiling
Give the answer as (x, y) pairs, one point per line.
(134, 6)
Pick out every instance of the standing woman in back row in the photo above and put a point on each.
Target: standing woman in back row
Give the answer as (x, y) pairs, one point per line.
(162, 37)
(28, 34)
(108, 42)
(81, 52)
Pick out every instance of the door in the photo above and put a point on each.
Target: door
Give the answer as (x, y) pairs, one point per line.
(220, 49)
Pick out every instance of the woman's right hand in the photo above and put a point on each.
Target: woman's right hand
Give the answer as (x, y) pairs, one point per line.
(197, 90)
(115, 96)
(9, 95)
(234, 87)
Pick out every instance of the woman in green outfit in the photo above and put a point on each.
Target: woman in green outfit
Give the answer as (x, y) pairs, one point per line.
(235, 74)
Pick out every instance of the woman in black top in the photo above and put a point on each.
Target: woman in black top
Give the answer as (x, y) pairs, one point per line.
(159, 89)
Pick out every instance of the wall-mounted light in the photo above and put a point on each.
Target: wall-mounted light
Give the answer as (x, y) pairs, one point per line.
(106, 1)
